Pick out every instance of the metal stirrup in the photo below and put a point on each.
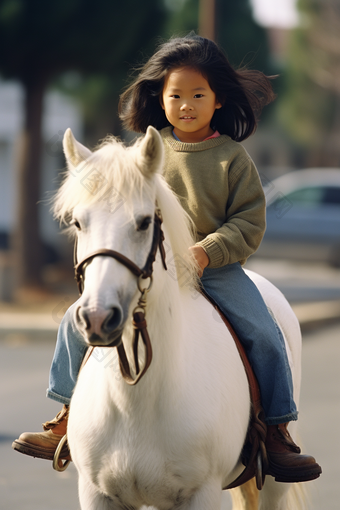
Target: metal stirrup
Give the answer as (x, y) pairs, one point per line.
(57, 453)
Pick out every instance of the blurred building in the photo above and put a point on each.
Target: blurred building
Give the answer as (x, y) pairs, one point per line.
(60, 112)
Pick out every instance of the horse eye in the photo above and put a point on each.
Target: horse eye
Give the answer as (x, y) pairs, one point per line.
(75, 223)
(145, 223)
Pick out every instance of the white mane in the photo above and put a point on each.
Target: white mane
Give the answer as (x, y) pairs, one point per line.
(111, 174)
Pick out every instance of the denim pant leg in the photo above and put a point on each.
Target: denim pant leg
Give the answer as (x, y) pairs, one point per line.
(68, 356)
(242, 303)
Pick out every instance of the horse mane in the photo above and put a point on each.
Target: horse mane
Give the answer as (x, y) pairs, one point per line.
(181, 231)
(111, 174)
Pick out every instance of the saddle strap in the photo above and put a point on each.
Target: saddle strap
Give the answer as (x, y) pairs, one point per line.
(257, 431)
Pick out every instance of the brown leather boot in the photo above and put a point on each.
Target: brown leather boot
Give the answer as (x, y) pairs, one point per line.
(44, 444)
(286, 464)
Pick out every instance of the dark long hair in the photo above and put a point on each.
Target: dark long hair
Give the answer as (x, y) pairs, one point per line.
(243, 93)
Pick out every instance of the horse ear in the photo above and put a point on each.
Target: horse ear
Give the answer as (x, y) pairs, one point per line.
(74, 151)
(151, 151)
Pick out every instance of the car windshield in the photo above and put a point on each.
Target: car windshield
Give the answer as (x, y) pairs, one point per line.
(315, 195)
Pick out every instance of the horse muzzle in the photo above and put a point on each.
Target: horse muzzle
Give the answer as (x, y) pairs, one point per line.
(101, 328)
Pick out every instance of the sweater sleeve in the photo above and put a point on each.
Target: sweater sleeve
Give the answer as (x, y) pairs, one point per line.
(245, 221)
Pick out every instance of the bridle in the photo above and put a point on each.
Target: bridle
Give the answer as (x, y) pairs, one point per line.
(138, 322)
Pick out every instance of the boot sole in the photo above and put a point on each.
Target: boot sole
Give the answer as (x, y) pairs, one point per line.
(295, 475)
(40, 453)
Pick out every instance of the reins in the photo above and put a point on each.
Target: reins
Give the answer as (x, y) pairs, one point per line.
(139, 312)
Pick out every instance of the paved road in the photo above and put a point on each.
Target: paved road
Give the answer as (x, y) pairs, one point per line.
(31, 484)
(300, 282)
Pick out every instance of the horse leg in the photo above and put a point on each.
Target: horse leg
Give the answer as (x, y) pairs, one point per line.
(90, 498)
(273, 496)
(281, 496)
(208, 497)
(245, 497)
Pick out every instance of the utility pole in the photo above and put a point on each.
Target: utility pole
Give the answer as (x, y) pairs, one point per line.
(206, 19)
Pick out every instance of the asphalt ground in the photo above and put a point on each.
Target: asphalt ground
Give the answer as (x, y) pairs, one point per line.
(32, 484)
(312, 290)
(27, 338)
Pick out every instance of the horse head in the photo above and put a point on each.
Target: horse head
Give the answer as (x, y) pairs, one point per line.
(110, 195)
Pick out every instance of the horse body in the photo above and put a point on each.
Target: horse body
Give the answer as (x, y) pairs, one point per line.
(173, 440)
(171, 433)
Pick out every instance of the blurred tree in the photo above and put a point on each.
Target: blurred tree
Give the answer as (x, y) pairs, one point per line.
(40, 40)
(183, 17)
(207, 19)
(310, 106)
(244, 41)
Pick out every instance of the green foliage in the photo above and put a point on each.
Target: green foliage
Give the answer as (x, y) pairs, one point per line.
(45, 38)
(244, 41)
(98, 40)
(102, 40)
(182, 18)
(308, 105)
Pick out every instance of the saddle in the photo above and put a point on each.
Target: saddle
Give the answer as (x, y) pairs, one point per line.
(254, 455)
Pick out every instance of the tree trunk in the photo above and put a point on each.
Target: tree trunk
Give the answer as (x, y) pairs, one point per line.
(207, 19)
(27, 242)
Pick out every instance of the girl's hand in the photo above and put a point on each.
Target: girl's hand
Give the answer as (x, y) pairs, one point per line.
(201, 258)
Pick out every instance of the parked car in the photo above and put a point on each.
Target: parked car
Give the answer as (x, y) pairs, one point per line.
(303, 217)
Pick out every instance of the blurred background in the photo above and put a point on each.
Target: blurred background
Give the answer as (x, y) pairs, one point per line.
(63, 64)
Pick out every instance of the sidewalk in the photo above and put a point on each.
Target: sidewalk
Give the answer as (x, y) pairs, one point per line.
(20, 326)
(312, 290)
(317, 314)
(35, 319)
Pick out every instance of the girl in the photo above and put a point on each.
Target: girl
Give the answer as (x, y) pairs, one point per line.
(203, 108)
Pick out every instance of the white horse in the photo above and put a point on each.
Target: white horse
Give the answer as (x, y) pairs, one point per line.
(173, 441)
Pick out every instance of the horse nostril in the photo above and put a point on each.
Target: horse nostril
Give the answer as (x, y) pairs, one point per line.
(83, 318)
(99, 322)
(112, 321)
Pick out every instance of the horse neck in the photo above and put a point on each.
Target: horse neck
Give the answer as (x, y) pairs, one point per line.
(165, 316)
(165, 327)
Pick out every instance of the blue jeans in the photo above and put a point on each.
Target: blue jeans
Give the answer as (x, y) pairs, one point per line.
(239, 299)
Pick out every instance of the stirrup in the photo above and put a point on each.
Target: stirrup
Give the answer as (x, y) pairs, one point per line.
(56, 459)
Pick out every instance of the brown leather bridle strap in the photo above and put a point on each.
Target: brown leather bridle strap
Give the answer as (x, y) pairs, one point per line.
(146, 272)
(79, 268)
(157, 243)
(139, 324)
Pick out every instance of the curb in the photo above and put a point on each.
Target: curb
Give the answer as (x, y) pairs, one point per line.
(25, 321)
(316, 313)
(44, 326)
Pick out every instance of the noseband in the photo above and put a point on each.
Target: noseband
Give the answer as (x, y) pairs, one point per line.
(139, 322)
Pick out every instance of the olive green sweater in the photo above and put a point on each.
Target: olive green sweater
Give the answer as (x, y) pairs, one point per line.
(219, 187)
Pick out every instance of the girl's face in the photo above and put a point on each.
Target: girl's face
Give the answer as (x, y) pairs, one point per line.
(189, 104)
